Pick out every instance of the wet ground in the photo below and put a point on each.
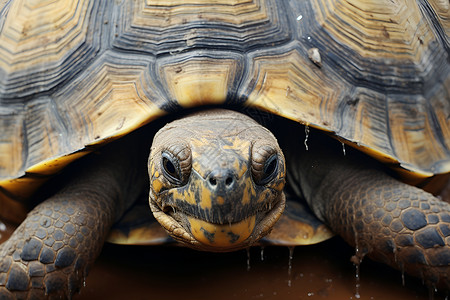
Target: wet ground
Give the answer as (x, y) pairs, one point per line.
(318, 272)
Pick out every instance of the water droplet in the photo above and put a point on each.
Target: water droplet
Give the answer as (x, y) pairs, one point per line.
(358, 281)
(310, 294)
(356, 260)
(403, 276)
(291, 257)
(343, 148)
(431, 291)
(309, 38)
(262, 253)
(2, 226)
(84, 281)
(299, 17)
(306, 136)
(248, 259)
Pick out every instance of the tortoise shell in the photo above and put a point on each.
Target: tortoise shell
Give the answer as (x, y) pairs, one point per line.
(77, 74)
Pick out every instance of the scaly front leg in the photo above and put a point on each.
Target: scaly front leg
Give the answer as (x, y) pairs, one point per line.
(50, 253)
(385, 219)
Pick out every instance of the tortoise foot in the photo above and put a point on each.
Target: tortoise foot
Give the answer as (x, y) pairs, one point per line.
(50, 253)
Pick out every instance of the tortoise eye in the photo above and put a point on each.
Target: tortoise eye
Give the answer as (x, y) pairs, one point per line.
(270, 169)
(171, 168)
(265, 162)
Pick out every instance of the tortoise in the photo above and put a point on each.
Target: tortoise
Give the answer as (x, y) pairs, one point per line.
(81, 77)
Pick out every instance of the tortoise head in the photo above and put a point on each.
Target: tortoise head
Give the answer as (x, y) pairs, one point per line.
(216, 180)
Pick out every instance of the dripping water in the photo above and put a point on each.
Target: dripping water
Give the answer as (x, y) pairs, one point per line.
(343, 148)
(358, 282)
(431, 291)
(403, 277)
(248, 258)
(262, 253)
(306, 136)
(291, 256)
(356, 259)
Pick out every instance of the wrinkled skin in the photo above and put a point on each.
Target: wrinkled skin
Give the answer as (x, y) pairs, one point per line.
(225, 192)
(389, 221)
(51, 252)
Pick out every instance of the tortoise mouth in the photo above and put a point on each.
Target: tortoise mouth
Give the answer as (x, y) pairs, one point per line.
(219, 237)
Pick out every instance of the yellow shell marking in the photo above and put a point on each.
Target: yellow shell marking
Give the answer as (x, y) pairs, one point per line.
(116, 106)
(38, 32)
(285, 87)
(376, 28)
(164, 14)
(200, 81)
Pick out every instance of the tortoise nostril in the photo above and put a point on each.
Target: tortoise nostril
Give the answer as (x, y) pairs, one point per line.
(221, 179)
(213, 181)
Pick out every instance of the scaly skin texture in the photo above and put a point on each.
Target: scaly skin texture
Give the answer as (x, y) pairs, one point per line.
(383, 218)
(50, 253)
(392, 222)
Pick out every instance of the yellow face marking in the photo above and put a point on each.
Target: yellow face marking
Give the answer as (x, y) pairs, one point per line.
(220, 200)
(205, 202)
(152, 170)
(221, 235)
(221, 153)
(184, 195)
(249, 194)
(157, 185)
